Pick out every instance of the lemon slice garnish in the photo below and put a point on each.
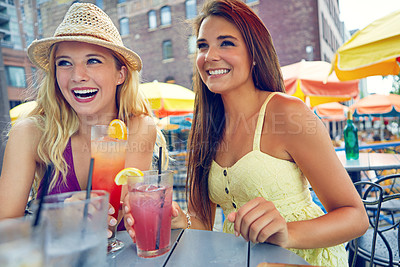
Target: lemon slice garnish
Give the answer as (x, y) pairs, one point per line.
(117, 129)
(122, 177)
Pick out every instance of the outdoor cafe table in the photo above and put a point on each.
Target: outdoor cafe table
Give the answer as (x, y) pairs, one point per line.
(368, 161)
(204, 248)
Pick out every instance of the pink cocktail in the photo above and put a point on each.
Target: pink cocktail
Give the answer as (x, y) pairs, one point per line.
(109, 159)
(150, 203)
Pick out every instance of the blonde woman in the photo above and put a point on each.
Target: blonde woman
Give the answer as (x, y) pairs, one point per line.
(90, 78)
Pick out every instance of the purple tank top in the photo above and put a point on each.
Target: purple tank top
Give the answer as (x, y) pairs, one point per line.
(72, 181)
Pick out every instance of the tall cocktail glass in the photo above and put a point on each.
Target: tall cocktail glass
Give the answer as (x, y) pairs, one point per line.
(109, 158)
(150, 198)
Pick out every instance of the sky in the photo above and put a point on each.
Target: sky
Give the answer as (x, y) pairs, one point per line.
(357, 14)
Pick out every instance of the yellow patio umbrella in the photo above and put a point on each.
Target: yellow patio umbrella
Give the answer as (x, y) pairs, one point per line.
(168, 99)
(374, 50)
(21, 110)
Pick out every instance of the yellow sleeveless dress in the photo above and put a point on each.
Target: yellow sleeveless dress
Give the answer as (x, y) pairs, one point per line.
(280, 181)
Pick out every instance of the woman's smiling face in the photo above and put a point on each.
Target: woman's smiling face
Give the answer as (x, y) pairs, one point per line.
(223, 60)
(87, 77)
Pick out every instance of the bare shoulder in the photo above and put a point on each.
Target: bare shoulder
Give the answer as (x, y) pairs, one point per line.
(142, 124)
(283, 103)
(287, 113)
(25, 129)
(24, 137)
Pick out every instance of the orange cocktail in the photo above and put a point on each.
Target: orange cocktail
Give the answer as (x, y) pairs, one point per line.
(109, 158)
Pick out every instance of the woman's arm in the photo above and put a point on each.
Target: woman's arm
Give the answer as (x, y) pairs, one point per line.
(313, 152)
(300, 136)
(179, 219)
(141, 140)
(18, 171)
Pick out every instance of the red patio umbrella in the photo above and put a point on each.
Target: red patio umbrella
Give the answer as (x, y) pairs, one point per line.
(377, 105)
(332, 111)
(305, 79)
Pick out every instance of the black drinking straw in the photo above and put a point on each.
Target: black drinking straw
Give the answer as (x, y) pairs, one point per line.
(159, 163)
(162, 197)
(46, 182)
(82, 256)
(88, 188)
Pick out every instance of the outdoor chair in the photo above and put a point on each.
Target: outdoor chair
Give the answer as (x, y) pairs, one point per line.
(380, 244)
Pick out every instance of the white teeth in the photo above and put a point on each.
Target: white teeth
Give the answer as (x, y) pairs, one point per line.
(83, 97)
(215, 72)
(87, 91)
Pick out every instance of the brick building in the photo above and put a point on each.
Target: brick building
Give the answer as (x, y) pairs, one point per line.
(160, 32)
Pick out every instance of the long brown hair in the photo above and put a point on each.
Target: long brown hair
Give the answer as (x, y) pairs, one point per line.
(209, 114)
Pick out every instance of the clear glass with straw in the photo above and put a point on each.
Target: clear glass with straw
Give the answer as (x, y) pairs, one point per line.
(76, 228)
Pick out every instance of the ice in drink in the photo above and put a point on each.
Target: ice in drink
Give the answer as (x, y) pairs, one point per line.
(151, 210)
(91, 252)
(20, 253)
(20, 243)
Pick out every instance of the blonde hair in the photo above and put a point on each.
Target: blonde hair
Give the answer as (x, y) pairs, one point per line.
(57, 121)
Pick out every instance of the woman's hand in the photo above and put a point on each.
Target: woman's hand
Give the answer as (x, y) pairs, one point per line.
(128, 218)
(81, 196)
(112, 222)
(178, 218)
(259, 221)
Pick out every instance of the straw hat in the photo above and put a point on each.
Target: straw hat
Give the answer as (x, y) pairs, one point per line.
(87, 23)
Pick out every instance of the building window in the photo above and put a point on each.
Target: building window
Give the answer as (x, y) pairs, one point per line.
(192, 44)
(191, 11)
(170, 79)
(167, 49)
(165, 15)
(124, 26)
(152, 19)
(15, 76)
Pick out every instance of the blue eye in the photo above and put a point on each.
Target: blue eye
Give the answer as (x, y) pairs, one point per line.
(201, 45)
(227, 43)
(93, 61)
(63, 63)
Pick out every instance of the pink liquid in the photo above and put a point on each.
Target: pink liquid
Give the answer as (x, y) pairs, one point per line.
(150, 217)
(109, 159)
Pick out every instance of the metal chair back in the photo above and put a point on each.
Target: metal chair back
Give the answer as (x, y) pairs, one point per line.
(382, 203)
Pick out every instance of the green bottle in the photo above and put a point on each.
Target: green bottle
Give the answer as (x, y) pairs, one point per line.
(350, 138)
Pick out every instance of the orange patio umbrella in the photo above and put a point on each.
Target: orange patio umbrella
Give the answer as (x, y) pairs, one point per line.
(377, 105)
(306, 79)
(332, 111)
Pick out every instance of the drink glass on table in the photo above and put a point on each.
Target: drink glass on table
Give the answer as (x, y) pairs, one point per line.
(109, 158)
(75, 228)
(20, 243)
(150, 198)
